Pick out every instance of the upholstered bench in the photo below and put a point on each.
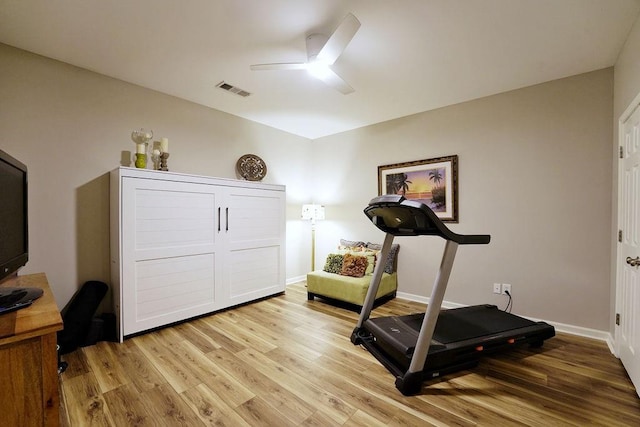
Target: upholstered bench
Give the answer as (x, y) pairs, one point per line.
(353, 290)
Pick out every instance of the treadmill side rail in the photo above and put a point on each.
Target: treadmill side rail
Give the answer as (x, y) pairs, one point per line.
(433, 309)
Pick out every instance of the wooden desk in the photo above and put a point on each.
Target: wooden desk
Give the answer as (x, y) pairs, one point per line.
(29, 360)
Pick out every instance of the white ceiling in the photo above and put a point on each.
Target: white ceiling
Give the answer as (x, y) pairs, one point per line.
(408, 56)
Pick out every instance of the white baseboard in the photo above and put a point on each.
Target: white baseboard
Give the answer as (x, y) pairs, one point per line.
(425, 300)
(293, 280)
(580, 331)
(611, 342)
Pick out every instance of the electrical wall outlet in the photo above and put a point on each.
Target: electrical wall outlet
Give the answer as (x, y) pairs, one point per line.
(506, 287)
(497, 288)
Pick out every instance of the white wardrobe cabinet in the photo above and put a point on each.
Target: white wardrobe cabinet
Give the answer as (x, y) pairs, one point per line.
(186, 245)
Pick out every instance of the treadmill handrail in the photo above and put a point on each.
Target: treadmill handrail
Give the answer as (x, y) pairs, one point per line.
(396, 215)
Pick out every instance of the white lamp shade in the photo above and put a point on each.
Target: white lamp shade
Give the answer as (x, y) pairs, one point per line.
(312, 212)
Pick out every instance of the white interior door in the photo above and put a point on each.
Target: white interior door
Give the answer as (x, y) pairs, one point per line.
(628, 262)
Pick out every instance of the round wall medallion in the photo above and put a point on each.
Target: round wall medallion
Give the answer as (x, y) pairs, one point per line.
(251, 167)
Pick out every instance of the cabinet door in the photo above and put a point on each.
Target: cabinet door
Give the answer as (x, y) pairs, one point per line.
(255, 236)
(170, 252)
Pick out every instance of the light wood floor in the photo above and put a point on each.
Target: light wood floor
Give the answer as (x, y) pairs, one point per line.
(285, 361)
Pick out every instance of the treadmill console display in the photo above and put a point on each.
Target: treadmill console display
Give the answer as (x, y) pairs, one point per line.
(398, 216)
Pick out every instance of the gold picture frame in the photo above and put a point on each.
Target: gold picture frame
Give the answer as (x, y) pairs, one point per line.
(433, 182)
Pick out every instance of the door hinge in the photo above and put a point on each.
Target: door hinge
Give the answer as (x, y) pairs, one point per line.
(621, 153)
(620, 236)
(618, 319)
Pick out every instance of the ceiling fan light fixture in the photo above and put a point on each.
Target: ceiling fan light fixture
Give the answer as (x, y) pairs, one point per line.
(322, 52)
(318, 69)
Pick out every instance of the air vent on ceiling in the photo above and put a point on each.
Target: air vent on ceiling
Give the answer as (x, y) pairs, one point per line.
(233, 89)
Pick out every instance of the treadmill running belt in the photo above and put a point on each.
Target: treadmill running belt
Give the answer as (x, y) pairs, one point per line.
(465, 323)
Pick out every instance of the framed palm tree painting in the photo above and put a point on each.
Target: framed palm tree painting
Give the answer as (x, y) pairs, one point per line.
(433, 182)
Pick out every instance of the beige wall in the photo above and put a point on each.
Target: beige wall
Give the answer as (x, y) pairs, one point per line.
(535, 173)
(70, 126)
(626, 88)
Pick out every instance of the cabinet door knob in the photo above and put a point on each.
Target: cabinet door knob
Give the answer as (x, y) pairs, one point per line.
(218, 219)
(633, 262)
(227, 218)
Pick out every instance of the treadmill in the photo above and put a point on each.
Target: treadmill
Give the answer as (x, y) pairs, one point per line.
(423, 346)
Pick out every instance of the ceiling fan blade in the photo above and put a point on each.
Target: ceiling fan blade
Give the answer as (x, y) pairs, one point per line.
(335, 81)
(280, 66)
(339, 39)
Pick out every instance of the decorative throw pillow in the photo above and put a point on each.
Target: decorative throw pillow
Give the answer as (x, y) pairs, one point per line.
(393, 253)
(371, 260)
(333, 264)
(353, 265)
(361, 251)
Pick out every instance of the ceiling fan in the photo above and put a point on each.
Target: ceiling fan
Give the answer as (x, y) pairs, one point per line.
(322, 52)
